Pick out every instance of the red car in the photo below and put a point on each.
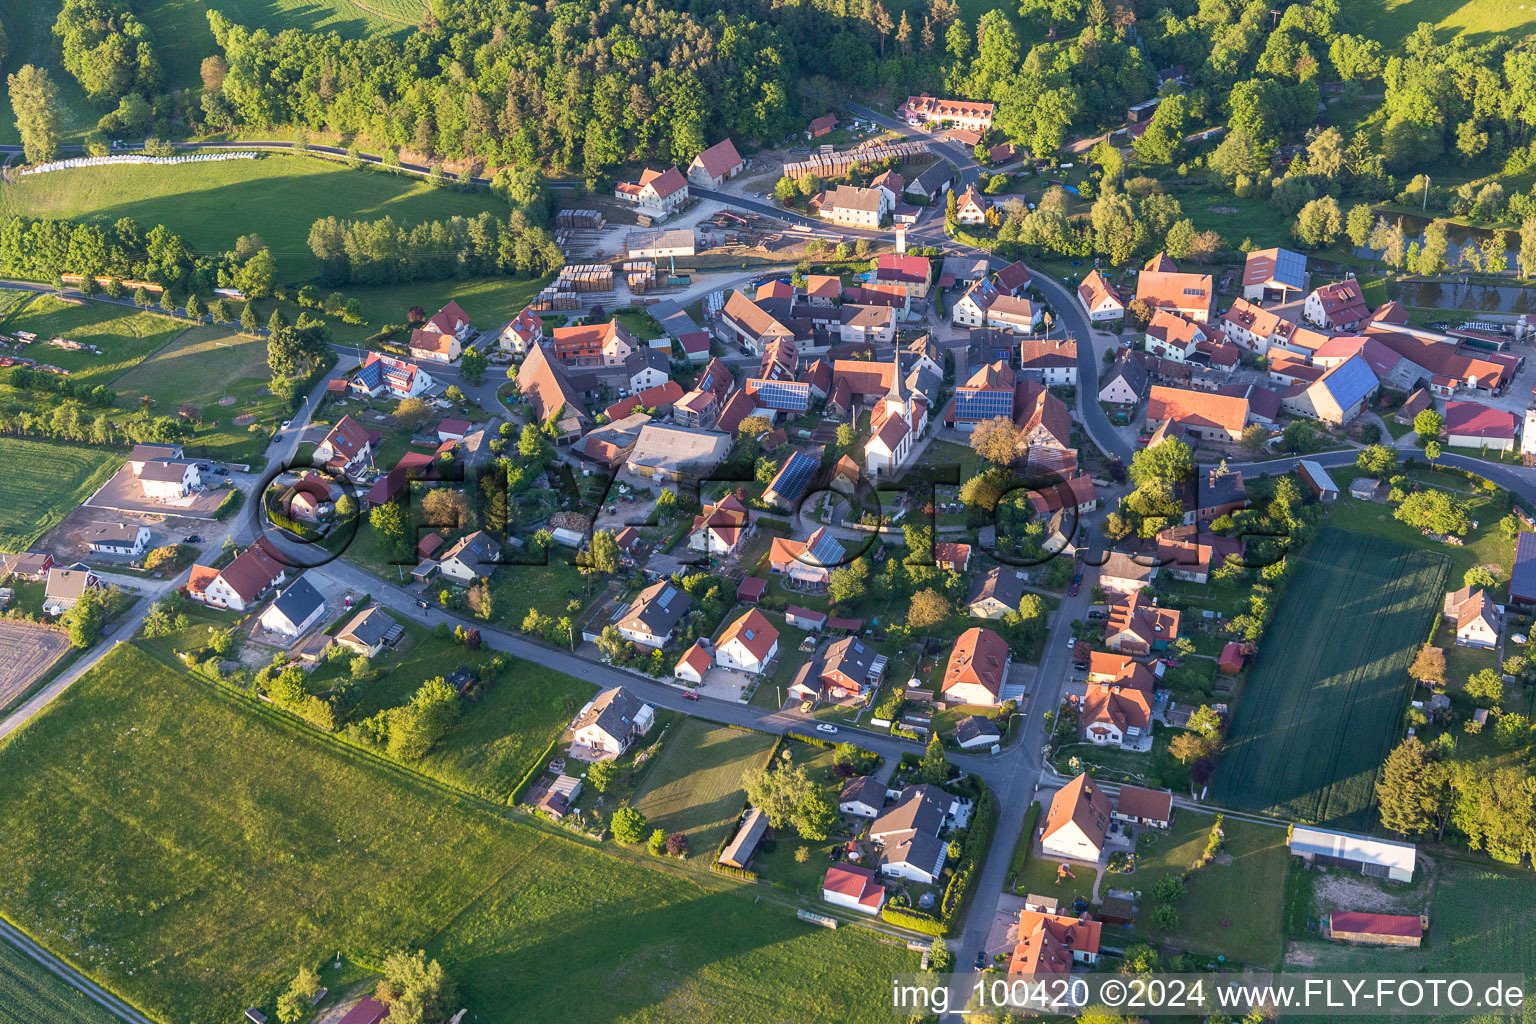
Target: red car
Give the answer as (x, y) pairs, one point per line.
(690, 695)
(1072, 590)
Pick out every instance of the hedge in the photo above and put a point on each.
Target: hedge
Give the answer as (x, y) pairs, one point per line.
(230, 505)
(726, 869)
(1025, 843)
(977, 841)
(914, 920)
(521, 789)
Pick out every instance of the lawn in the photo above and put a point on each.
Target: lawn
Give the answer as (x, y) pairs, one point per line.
(1229, 909)
(30, 994)
(1324, 703)
(44, 481)
(1392, 21)
(695, 785)
(190, 852)
(211, 204)
(183, 38)
(1483, 544)
(125, 336)
(29, 27)
(202, 367)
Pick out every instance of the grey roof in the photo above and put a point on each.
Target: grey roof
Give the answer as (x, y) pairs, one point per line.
(747, 837)
(145, 452)
(922, 850)
(165, 469)
(370, 627)
(864, 789)
(973, 726)
(937, 176)
(1347, 846)
(476, 548)
(298, 601)
(657, 609)
(850, 197)
(678, 449)
(1522, 575)
(613, 711)
(114, 533)
(919, 808)
(1134, 374)
(645, 356)
(1122, 565)
(1001, 583)
(964, 268)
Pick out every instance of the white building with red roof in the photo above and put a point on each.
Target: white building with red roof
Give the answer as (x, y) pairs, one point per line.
(1338, 306)
(749, 644)
(1475, 425)
(968, 114)
(657, 192)
(691, 666)
(347, 448)
(896, 424)
(719, 163)
(1162, 285)
(1100, 300)
(853, 888)
(521, 333)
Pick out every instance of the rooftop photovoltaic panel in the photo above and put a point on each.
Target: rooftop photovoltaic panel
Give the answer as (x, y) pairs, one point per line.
(793, 478)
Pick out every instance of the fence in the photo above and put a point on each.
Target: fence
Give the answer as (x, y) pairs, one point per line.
(134, 158)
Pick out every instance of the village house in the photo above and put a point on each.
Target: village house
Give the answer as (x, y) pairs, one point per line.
(862, 796)
(716, 165)
(1126, 382)
(386, 375)
(369, 632)
(240, 584)
(673, 454)
(952, 557)
(611, 721)
(694, 663)
(923, 109)
(1115, 714)
(297, 608)
(1149, 807)
(657, 193)
(434, 346)
(1337, 306)
(863, 324)
(169, 479)
(908, 834)
(647, 368)
(653, 616)
(1049, 360)
(934, 181)
(809, 561)
(347, 448)
(1478, 620)
(1201, 415)
(847, 668)
(1216, 492)
(749, 324)
(1137, 625)
(1125, 574)
(121, 539)
(1049, 944)
(521, 333)
(749, 644)
(65, 588)
(1162, 286)
(141, 454)
(471, 557)
(1172, 337)
(971, 207)
(974, 732)
(995, 593)
(977, 668)
(26, 565)
(913, 273)
(721, 529)
(1077, 822)
(1254, 328)
(855, 207)
(1189, 553)
(1100, 300)
(791, 483)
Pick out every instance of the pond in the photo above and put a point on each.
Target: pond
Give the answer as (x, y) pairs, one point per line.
(1473, 297)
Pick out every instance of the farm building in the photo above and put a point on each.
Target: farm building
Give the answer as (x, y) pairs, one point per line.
(1317, 480)
(1522, 574)
(753, 827)
(1377, 929)
(1144, 806)
(1376, 858)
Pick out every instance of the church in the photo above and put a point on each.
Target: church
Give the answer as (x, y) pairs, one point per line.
(896, 424)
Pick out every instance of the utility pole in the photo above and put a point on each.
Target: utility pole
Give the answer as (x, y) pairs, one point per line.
(1426, 193)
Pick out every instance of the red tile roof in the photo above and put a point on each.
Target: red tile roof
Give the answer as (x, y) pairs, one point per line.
(1395, 925)
(980, 657)
(1135, 802)
(1474, 419)
(755, 632)
(720, 159)
(855, 881)
(1198, 408)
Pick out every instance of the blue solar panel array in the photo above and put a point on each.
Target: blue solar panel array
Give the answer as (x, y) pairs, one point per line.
(786, 395)
(370, 376)
(1350, 381)
(978, 404)
(828, 551)
(794, 477)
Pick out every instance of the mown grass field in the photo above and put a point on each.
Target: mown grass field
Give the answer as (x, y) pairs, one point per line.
(1323, 706)
(1392, 21)
(29, 994)
(181, 29)
(190, 851)
(43, 481)
(695, 786)
(124, 335)
(1230, 909)
(211, 204)
(201, 367)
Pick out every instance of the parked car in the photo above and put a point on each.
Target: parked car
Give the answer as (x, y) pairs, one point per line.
(1071, 641)
(981, 959)
(196, 538)
(807, 705)
(824, 727)
(1095, 614)
(690, 695)
(1072, 590)
(422, 605)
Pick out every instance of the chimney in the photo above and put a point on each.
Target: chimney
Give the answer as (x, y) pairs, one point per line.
(901, 240)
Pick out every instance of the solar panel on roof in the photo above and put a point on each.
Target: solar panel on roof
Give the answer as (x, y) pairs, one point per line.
(828, 550)
(791, 482)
